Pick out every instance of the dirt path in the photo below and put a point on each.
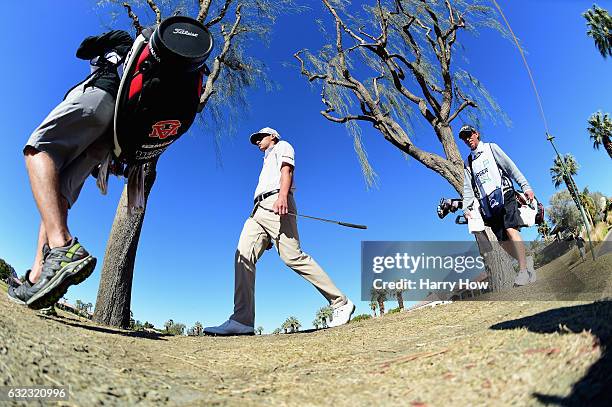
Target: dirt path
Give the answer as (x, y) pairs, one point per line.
(466, 353)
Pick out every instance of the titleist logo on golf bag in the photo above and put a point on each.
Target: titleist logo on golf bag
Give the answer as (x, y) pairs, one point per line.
(182, 31)
(161, 88)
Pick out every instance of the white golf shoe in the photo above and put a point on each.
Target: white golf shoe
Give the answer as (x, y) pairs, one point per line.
(342, 314)
(229, 328)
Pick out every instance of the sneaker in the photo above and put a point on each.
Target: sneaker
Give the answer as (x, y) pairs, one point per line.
(62, 267)
(229, 328)
(20, 291)
(342, 314)
(522, 278)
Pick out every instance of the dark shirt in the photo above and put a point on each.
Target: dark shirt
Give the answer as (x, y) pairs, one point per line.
(106, 77)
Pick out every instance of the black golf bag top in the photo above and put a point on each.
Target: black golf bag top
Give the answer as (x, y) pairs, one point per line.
(160, 88)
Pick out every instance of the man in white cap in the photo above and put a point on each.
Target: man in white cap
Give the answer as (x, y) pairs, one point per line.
(488, 175)
(273, 221)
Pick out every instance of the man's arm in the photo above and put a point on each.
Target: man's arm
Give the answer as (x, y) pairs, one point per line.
(511, 169)
(280, 206)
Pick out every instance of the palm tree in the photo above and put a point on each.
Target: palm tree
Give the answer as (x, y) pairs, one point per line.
(198, 328)
(168, 324)
(373, 307)
(286, 326)
(600, 130)
(324, 315)
(380, 296)
(259, 330)
(294, 324)
(544, 230)
(560, 176)
(291, 324)
(599, 22)
(400, 299)
(316, 322)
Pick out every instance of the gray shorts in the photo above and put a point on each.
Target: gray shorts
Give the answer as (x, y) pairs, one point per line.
(77, 134)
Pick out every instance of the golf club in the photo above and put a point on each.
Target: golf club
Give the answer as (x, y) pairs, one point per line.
(348, 225)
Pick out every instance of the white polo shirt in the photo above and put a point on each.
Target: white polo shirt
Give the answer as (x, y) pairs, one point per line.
(270, 176)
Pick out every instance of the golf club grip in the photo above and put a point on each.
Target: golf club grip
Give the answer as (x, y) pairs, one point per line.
(352, 225)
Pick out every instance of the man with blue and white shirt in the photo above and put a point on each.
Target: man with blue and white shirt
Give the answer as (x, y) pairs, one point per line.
(488, 175)
(273, 221)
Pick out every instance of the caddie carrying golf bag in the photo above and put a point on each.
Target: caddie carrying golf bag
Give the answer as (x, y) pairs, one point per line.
(160, 89)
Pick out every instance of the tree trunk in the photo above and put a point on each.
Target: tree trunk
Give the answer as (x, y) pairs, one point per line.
(498, 263)
(451, 151)
(381, 307)
(115, 291)
(608, 145)
(400, 300)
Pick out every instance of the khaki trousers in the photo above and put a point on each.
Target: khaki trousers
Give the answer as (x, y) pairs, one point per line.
(260, 229)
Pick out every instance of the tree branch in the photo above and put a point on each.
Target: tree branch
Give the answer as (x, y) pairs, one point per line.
(221, 14)
(339, 21)
(219, 61)
(134, 18)
(156, 10)
(465, 104)
(203, 12)
(347, 118)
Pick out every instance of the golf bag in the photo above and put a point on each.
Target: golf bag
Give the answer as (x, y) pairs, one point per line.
(160, 89)
(531, 213)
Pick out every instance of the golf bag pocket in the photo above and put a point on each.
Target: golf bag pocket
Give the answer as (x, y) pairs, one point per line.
(160, 89)
(492, 205)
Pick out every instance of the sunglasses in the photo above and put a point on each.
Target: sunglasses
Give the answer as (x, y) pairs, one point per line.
(465, 136)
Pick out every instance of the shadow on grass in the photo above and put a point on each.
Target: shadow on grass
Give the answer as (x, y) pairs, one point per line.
(109, 330)
(595, 388)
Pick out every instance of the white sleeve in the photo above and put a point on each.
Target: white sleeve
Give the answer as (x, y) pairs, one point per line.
(286, 153)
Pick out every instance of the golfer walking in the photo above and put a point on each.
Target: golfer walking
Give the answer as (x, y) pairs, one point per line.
(273, 221)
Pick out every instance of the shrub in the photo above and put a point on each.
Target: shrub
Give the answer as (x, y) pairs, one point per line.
(394, 310)
(599, 232)
(361, 317)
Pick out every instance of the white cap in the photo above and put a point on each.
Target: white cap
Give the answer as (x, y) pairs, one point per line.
(267, 131)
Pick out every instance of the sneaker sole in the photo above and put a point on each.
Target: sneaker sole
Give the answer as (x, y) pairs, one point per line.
(15, 299)
(72, 274)
(244, 334)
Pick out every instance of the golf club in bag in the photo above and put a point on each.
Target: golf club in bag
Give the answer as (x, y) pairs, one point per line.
(530, 212)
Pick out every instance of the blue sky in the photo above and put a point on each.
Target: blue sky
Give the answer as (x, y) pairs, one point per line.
(184, 266)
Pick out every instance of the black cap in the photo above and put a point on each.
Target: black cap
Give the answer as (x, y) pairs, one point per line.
(467, 130)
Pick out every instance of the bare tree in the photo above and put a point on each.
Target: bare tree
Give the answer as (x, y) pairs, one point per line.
(397, 65)
(234, 24)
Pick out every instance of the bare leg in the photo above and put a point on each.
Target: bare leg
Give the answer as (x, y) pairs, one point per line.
(44, 179)
(515, 247)
(37, 266)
